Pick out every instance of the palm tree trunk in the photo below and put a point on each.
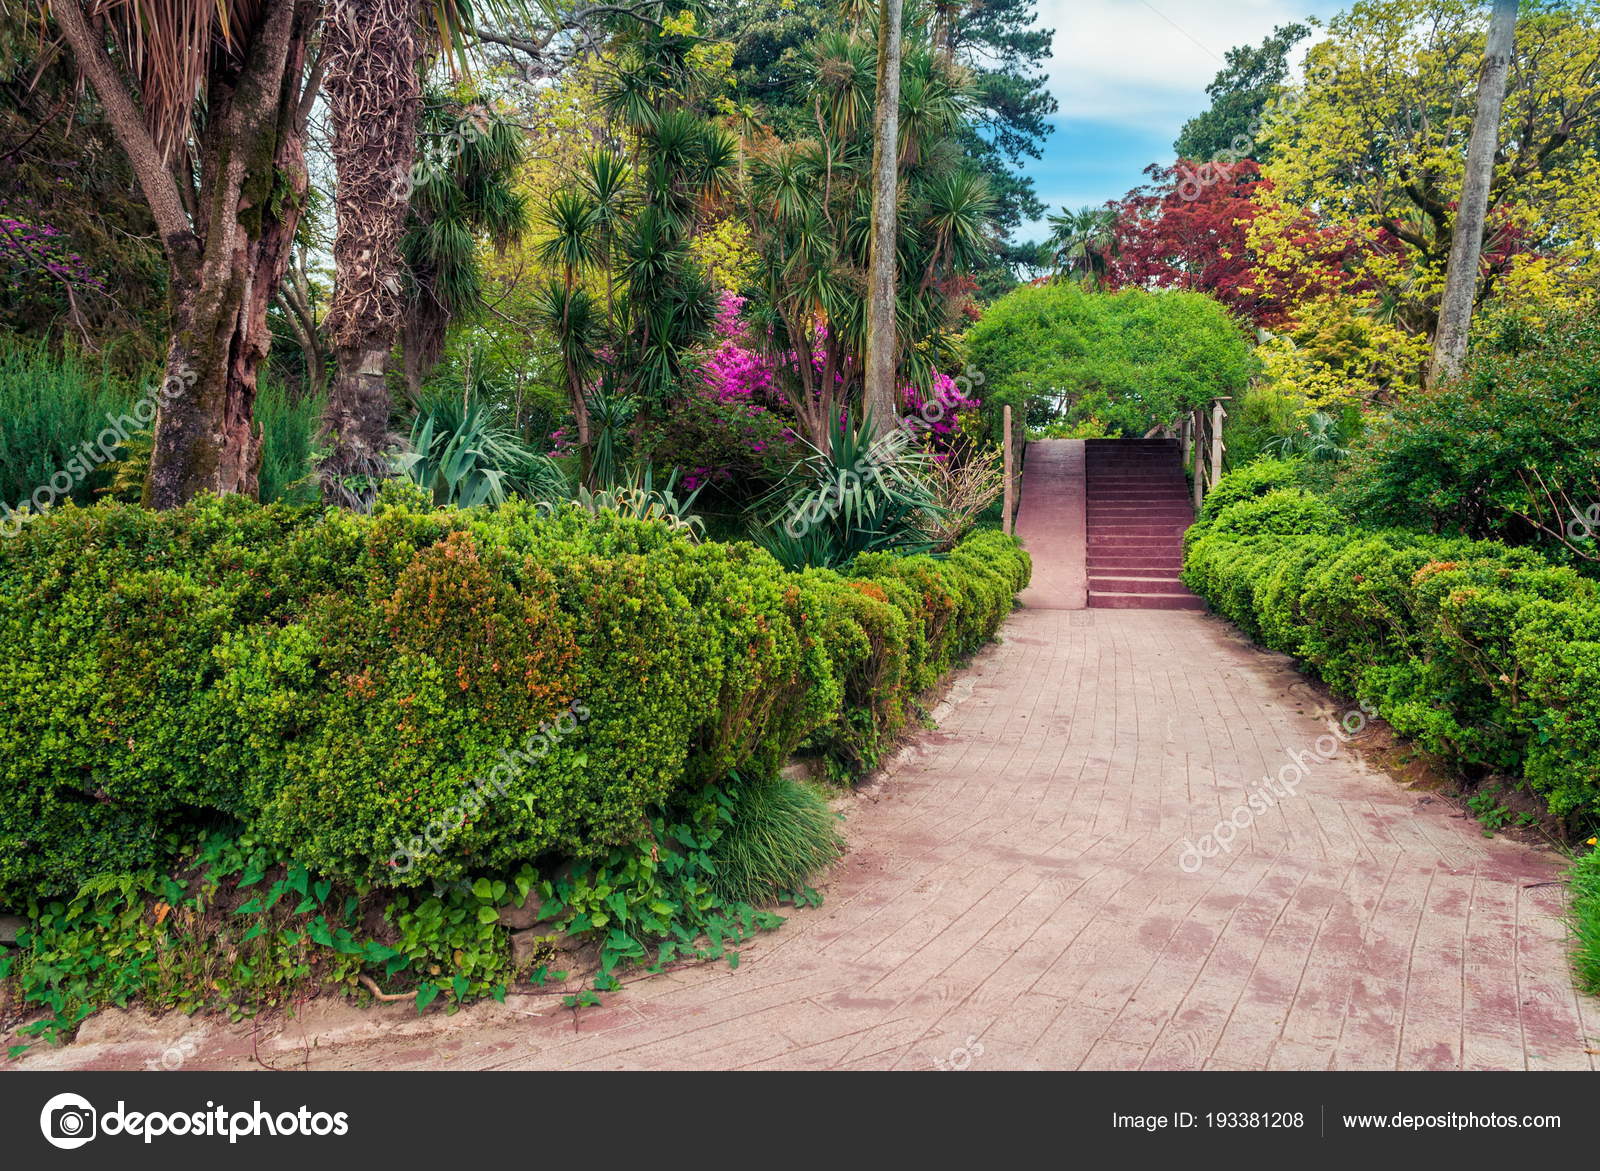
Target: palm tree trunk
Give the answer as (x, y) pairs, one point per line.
(882, 344)
(227, 250)
(375, 98)
(1466, 249)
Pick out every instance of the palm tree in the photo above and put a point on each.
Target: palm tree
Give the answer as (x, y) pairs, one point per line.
(574, 245)
(453, 208)
(811, 216)
(882, 343)
(608, 182)
(1082, 243)
(209, 102)
(376, 52)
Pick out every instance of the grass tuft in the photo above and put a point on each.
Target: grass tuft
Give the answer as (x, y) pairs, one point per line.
(782, 833)
(1586, 920)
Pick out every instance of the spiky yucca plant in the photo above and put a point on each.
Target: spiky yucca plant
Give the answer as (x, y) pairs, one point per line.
(465, 454)
(855, 496)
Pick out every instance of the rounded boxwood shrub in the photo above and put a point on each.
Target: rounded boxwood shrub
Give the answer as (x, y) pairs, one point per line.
(420, 695)
(1247, 483)
(1280, 512)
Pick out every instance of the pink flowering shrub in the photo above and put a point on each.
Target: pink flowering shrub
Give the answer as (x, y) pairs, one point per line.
(735, 425)
(941, 410)
(34, 257)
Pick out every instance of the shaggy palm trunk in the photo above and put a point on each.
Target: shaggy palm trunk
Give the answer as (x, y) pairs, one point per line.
(374, 97)
(1466, 249)
(225, 263)
(882, 344)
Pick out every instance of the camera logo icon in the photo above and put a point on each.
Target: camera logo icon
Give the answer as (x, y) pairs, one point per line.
(68, 1121)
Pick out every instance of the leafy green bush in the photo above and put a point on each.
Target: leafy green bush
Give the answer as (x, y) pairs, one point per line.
(288, 434)
(49, 406)
(1510, 451)
(779, 833)
(1283, 510)
(1485, 654)
(1125, 361)
(420, 695)
(1248, 482)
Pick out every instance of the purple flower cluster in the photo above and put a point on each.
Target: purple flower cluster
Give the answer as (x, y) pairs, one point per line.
(33, 249)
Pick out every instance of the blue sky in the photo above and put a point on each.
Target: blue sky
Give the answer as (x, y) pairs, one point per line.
(1128, 74)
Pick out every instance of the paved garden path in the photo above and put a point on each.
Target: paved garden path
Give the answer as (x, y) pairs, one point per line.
(1019, 894)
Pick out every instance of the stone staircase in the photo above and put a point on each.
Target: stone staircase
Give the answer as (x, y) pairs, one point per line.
(1137, 508)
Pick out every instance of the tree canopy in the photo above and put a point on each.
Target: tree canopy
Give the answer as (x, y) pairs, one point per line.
(1126, 361)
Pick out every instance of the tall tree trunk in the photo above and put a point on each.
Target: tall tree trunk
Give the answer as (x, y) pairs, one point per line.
(374, 97)
(1466, 250)
(882, 342)
(225, 264)
(295, 298)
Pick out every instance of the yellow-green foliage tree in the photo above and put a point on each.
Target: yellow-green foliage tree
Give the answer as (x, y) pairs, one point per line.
(1373, 147)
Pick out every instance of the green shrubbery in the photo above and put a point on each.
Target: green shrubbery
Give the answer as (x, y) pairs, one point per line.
(1485, 654)
(1284, 511)
(1127, 361)
(1510, 451)
(49, 406)
(422, 695)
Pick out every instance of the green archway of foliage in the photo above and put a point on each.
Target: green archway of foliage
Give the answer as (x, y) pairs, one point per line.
(1126, 361)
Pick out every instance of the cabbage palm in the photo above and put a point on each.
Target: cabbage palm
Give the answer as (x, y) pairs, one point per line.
(811, 212)
(375, 52)
(454, 206)
(209, 102)
(1082, 243)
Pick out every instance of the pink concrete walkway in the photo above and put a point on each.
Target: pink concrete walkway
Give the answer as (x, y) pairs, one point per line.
(1017, 897)
(1051, 522)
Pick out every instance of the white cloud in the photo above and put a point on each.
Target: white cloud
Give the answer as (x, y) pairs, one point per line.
(1137, 62)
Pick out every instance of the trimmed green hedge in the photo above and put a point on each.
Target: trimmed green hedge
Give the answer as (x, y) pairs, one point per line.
(1485, 654)
(423, 695)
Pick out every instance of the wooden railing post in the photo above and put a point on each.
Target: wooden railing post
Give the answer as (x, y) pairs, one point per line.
(1217, 415)
(1197, 426)
(1011, 487)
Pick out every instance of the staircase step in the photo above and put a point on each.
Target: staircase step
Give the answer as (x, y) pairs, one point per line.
(1139, 565)
(1111, 542)
(1145, 602)
(1136, 585)
(1133, 510)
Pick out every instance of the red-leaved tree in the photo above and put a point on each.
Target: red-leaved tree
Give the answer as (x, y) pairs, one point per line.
(1188, 228)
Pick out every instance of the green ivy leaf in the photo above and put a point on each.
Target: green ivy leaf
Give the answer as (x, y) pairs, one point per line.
(426, 994)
